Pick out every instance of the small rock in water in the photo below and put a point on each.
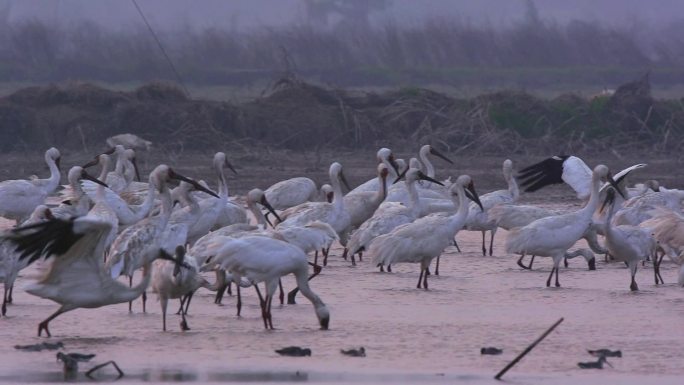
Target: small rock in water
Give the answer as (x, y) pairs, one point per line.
(360, 352)
(40, 346)
(80, 357)
(294, 351)
(491, 351)
(594, 365)
(605, 353)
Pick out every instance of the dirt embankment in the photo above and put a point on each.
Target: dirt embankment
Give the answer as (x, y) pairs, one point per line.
(297, 115)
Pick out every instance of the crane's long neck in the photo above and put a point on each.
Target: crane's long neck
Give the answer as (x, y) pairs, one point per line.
(303, 283)
(457, 220)
(609, 230)
(512, 183)
(222, 182)
(146, 207)
(338, 197)
(53, 180)
(429, 168)
(382, 190)
(258, 215)
(414, 203)
(588, 210)
(392, 172)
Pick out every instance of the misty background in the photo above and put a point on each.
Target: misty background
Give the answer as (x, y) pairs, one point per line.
(525, 44)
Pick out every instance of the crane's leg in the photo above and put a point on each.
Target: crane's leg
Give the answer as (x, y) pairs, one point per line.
(437, 266)
(353, 260)
(184, 323)
(239, 300)
(282, 292)
(491, 241)
(262, 303)
(11, 290)
(269, 302)
(360, 256)
(565, 262)
(484, 248)
(531, 262)
(344, 253)
(557, 283)
(144, 300)
(187, 304)
(130, 303)
(325, 256)
(4, 301)
(420, 277)
(425, 276)
(163, 301)
(229, 290)
(389, 268)
(316, 258)
(633, 268)
(44, 325)
(548, 281)
(456, 244)
(519, 262)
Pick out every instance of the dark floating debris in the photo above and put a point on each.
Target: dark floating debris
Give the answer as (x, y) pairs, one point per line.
(71, 361)
(360, 352)
(294, 351)
(41, 346)
(605, 353)
(594, 365)
(491, 351)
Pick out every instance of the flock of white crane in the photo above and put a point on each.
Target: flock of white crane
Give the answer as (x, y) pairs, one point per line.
(113, 225)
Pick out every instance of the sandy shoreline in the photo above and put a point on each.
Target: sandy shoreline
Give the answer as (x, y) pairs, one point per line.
(410, 335)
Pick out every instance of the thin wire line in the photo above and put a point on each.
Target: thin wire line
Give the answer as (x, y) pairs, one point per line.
(161, 47)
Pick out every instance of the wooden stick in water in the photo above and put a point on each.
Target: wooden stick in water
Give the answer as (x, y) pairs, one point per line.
(527, 350)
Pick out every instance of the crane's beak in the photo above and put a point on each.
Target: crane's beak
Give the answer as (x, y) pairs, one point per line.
(427, 178)
(92, 163)
(615, 185)
(384, 182)
(610, 198)
(135, 167)
(230, 166)
(85, 175)
(344, 181)
(472, 194)
(199, 187)
(270, 208)
(440, 155)
(394, 164)
(400, 176)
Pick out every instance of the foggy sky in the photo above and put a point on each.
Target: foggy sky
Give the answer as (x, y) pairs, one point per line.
(241, 14)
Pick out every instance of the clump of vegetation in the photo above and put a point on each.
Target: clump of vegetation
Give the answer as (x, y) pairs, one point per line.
(294, 114)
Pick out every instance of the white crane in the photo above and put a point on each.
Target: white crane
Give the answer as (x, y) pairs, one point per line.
(169, 281)
(333, 213)
(478, 218)
(362, 205)
(126, 214)
(263, 259)
(213, 208)
(291, 192)
(553, 236)
(385, 156)
(390, 214)
(76, 278)
(667, 227)
(629, 244)
(129, 141)
(10, 265)
(510, 216)
(425, 238)
(138, 244)
(19, 197)
(79, 203)
(425, 161)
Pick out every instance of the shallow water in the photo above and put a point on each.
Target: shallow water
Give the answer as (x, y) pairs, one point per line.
(410, 335)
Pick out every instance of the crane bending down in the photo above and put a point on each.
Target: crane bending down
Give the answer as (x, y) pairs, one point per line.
(77, 277)
(262, 259)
